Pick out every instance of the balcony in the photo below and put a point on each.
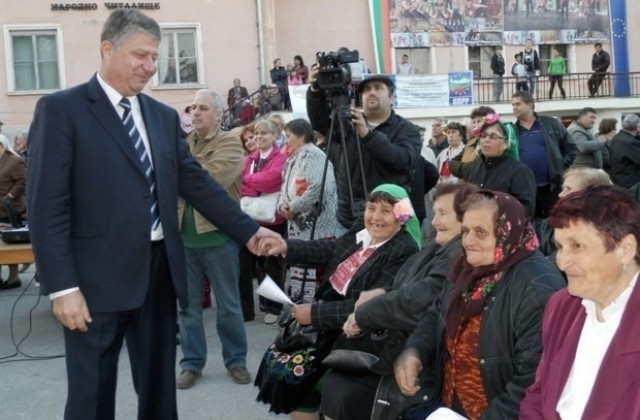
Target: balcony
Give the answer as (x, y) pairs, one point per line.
(574, 84)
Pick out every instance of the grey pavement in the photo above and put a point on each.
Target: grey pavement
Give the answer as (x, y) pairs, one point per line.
(36, 389)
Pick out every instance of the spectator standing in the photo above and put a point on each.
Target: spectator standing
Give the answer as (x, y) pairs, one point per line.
(456, 137)
(20, 144)
(300, 202)
(589, 148)
(390, 145)
(545, 147)
(531, 60)
(557, 68)
(405, 67)
(438, 141)
(12, 188)
(262, 174)
(498, 69)
(606, 131)
(210, 253)
(519, 70)
(625, 153)
(279, 77)
(235, 97)
(600, 62)
(301, 70)
(459, 165)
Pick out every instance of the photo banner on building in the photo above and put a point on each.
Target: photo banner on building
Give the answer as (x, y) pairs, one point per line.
(435, 23)
(434, 90)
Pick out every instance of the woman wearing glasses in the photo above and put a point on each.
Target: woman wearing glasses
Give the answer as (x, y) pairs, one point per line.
(498, 167)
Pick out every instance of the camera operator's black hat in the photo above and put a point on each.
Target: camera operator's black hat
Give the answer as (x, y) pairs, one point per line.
(377, 78)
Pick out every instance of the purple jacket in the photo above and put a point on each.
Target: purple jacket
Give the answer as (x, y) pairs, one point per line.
(616, 391)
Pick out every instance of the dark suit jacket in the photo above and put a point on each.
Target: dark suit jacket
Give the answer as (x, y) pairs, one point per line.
(624, 150)
(89, 199)
(616, 391)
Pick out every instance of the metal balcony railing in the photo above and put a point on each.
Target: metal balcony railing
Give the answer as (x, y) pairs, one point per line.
(575, 86)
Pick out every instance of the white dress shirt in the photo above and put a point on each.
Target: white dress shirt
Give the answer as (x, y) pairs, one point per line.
(594, 342)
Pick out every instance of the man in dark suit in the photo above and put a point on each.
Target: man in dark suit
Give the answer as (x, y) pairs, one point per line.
(107, 165)
(235, 97)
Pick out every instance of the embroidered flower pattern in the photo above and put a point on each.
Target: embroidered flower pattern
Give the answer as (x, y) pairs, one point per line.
(290, 367)
(403, 210)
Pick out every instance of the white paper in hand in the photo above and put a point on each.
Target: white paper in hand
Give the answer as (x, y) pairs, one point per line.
(270, 290)
(444, 413)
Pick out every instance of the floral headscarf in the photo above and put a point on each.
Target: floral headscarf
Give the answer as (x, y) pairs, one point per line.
(516, 240)
(403, 210)
(512, 138)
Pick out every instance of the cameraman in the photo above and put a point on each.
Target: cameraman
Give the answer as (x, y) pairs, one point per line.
(390, 144)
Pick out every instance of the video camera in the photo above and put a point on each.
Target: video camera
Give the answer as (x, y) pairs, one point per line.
(334, 72)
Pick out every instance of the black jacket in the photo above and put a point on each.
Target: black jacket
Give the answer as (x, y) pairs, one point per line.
(510, 341)
(497, 64)
(507, 175)
(330, 309)
(417, 284)
(390, 154)
(279, 77)
(625, 159)
(531, 60)
(600, 62)
(561, 150)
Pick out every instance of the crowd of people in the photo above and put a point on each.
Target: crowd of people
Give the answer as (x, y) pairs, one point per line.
(515, 296)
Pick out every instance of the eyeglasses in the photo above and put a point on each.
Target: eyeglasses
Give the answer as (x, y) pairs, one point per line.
(492, 136)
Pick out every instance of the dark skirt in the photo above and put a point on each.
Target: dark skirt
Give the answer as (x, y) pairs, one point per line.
(286, 379)
(347, 396)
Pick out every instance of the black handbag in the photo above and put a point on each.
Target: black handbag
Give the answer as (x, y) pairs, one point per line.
(373, 351)
(294, 336)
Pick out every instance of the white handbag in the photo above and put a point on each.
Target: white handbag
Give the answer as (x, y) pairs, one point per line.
(261, 208)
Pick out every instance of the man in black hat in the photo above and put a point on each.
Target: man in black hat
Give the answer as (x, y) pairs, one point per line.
(390, 145)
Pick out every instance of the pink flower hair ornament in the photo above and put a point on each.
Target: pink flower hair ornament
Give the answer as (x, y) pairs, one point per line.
(487, 120)
(403, 210)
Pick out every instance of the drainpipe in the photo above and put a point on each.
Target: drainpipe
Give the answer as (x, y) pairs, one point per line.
(260, 42)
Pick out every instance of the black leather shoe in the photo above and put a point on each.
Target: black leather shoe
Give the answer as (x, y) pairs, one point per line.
(6, 285)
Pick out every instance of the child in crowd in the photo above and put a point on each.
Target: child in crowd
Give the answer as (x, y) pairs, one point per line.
(520, 71)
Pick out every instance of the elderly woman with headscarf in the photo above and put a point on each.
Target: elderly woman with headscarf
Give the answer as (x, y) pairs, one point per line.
(355, 262)
(354, 395)
(480, 342)
(498, 167)
(13, 180)
(591, 359)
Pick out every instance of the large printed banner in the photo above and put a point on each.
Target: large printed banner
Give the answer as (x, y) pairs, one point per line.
(426, 23)
(434, 90)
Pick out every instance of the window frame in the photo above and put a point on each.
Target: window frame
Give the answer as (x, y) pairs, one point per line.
(485, 65)
(174, 29)
(33, 29)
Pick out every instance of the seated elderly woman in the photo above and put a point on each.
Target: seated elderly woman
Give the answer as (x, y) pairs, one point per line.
(480, 340)
(417, 283)
(498, 167)
(354, 263)
(575, 179)
(590, 360)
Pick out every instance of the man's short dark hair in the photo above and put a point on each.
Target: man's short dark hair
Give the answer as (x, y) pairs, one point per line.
(586, 110)
(524, 96)
(598, 44)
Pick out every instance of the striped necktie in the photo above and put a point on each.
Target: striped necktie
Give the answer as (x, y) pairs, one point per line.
(141, 151)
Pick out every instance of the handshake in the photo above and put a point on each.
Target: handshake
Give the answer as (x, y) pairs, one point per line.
(267, 243)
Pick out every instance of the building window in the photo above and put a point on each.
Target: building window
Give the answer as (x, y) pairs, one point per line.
(178, 57)
(34, 57)
(480, 61)
(418, 57)
(546, 54)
